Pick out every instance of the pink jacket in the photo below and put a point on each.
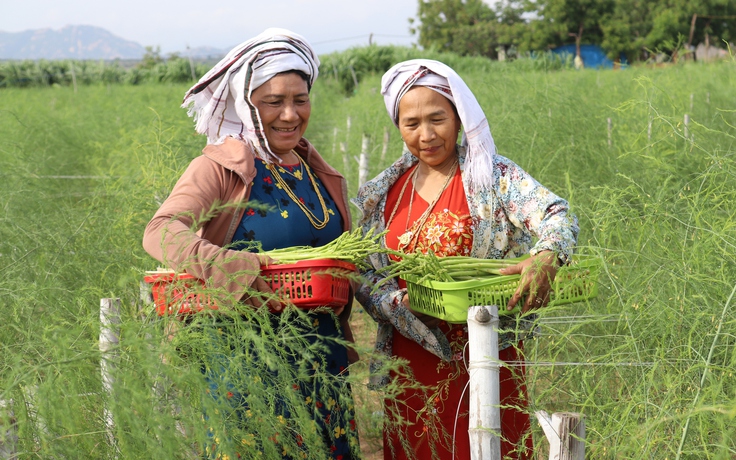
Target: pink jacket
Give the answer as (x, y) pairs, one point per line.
(189, 230)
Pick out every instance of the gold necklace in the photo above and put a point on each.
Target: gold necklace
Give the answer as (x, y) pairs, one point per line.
(298, 175)
(319, 225)
(398, 201)
(412, 233)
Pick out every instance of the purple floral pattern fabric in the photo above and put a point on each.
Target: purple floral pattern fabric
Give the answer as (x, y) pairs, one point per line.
(518, 216)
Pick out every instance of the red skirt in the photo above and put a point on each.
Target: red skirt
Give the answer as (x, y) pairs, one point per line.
(429, 419)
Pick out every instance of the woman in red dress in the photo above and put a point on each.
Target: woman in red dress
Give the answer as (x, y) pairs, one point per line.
(453, 199)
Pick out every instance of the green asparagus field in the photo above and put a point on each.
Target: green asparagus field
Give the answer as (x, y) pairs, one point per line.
(645, 156)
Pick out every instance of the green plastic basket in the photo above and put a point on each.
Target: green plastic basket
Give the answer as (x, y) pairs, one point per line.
(450, 301)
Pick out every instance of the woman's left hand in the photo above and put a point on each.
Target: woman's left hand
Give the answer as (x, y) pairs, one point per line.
(537, 274)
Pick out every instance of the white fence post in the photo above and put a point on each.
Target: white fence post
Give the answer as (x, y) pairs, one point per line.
(109, 336)
(483, 369)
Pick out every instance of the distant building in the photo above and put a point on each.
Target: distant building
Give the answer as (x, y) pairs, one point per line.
(705, 52)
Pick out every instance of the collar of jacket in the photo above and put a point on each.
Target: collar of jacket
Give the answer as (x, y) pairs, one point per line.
(237, 156)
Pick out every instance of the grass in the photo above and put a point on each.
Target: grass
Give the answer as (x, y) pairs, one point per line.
(649, 362)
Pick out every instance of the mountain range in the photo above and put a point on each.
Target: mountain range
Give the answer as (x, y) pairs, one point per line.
(80, 42)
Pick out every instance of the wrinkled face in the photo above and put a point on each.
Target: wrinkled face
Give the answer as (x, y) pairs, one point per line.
(429, 125)
(284, 106)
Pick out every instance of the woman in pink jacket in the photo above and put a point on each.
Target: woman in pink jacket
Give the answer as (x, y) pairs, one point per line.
(258, 181)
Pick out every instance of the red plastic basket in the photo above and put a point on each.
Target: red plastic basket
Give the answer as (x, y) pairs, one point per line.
(177, 293)
(311, 283)
(307, 284)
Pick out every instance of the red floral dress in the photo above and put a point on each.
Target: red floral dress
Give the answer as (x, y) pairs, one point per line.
(430, 420)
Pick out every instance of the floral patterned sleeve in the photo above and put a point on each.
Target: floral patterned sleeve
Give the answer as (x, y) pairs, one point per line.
(534, 208)
(381, 303)
(386, 307)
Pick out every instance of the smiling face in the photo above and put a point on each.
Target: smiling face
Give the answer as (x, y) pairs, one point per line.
(429, 126)
(284, 106)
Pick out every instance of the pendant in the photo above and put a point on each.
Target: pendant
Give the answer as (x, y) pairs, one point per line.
(405, 238)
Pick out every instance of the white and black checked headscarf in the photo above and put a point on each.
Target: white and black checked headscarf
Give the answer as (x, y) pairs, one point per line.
(220, 102)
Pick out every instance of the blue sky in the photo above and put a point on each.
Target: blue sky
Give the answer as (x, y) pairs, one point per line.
(330, 25)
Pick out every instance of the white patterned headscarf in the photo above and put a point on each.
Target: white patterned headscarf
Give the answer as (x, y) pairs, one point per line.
(439, 77)
(220, 102)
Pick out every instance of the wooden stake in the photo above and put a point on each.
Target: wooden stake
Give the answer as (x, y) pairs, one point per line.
(109, 337)
(384, 148)
(483, 368)
(334, 139)
(8, 430)
(610, 129)
(191, 64)
(363, 161)
(565, 432)
(37, 422)
(345, 161)
(355, 78)
(74, 76)
(344, 147)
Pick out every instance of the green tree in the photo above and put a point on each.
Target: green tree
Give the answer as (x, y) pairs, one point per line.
(634, 28)
(573, 19)
(718, 22)
(637, 27)
(626, 28)
(691, 22)
(513, 30)
(465, 27)
(151, 58)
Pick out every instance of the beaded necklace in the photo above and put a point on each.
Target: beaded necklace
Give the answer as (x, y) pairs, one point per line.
(412, 232)
(319, 225)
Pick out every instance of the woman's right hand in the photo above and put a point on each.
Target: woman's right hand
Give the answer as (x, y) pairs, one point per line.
(260, 285)
(430, 321)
